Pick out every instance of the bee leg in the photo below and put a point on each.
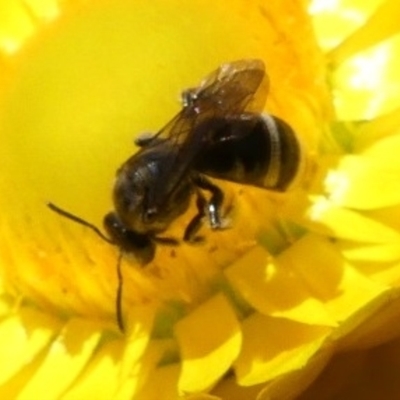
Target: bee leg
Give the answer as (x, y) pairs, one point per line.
(118, 300)
(166, 241)
(145, 138)
(196, 222)
(188, 97)
(213, 206)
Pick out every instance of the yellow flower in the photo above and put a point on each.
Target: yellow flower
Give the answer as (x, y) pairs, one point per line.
(256, 311)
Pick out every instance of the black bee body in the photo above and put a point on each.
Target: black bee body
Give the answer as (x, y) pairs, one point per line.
(220, 132)
(266, 156)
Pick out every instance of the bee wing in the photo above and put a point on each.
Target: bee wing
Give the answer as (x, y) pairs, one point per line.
(231, 89)
(182, 148)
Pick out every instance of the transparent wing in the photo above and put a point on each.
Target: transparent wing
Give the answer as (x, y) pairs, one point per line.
(234, 88)
(175, 138)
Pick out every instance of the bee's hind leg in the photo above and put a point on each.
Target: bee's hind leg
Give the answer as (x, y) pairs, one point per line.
(197, 221)
(214, 205)
(205, 208)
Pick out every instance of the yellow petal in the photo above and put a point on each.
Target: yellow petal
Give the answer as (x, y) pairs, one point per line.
(202, 397)
(366, 85)
(100, 379)
(130, 385)
(139, 327)
(273, 289)
(6, 307)
(275, 346)
(23, 336)
(64, 361)
(378, 327)
(382, 24)
(332, 279)
(381, 253)
(229, 388)
(337, 222)
(162, 380)
(361, 182)
(42, 10)
(334, 21)
(383, 126)
(387, 276)
(210, 340)
(15, 25)
(365, 78)
(385, 151)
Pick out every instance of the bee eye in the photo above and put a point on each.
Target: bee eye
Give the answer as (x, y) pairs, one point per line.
(150, 214)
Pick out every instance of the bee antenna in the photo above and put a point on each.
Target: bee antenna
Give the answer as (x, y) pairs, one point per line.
(81, 221)
(118, 300)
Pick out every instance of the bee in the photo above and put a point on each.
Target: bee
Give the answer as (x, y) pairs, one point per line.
(221, 132)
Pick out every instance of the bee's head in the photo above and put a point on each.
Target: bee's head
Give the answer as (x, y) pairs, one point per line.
(139, 245)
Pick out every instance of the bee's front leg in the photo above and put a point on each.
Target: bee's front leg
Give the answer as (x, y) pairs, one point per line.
(147, 138)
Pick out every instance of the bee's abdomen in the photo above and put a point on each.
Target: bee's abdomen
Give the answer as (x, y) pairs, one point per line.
(285, 153)
(258, 150)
